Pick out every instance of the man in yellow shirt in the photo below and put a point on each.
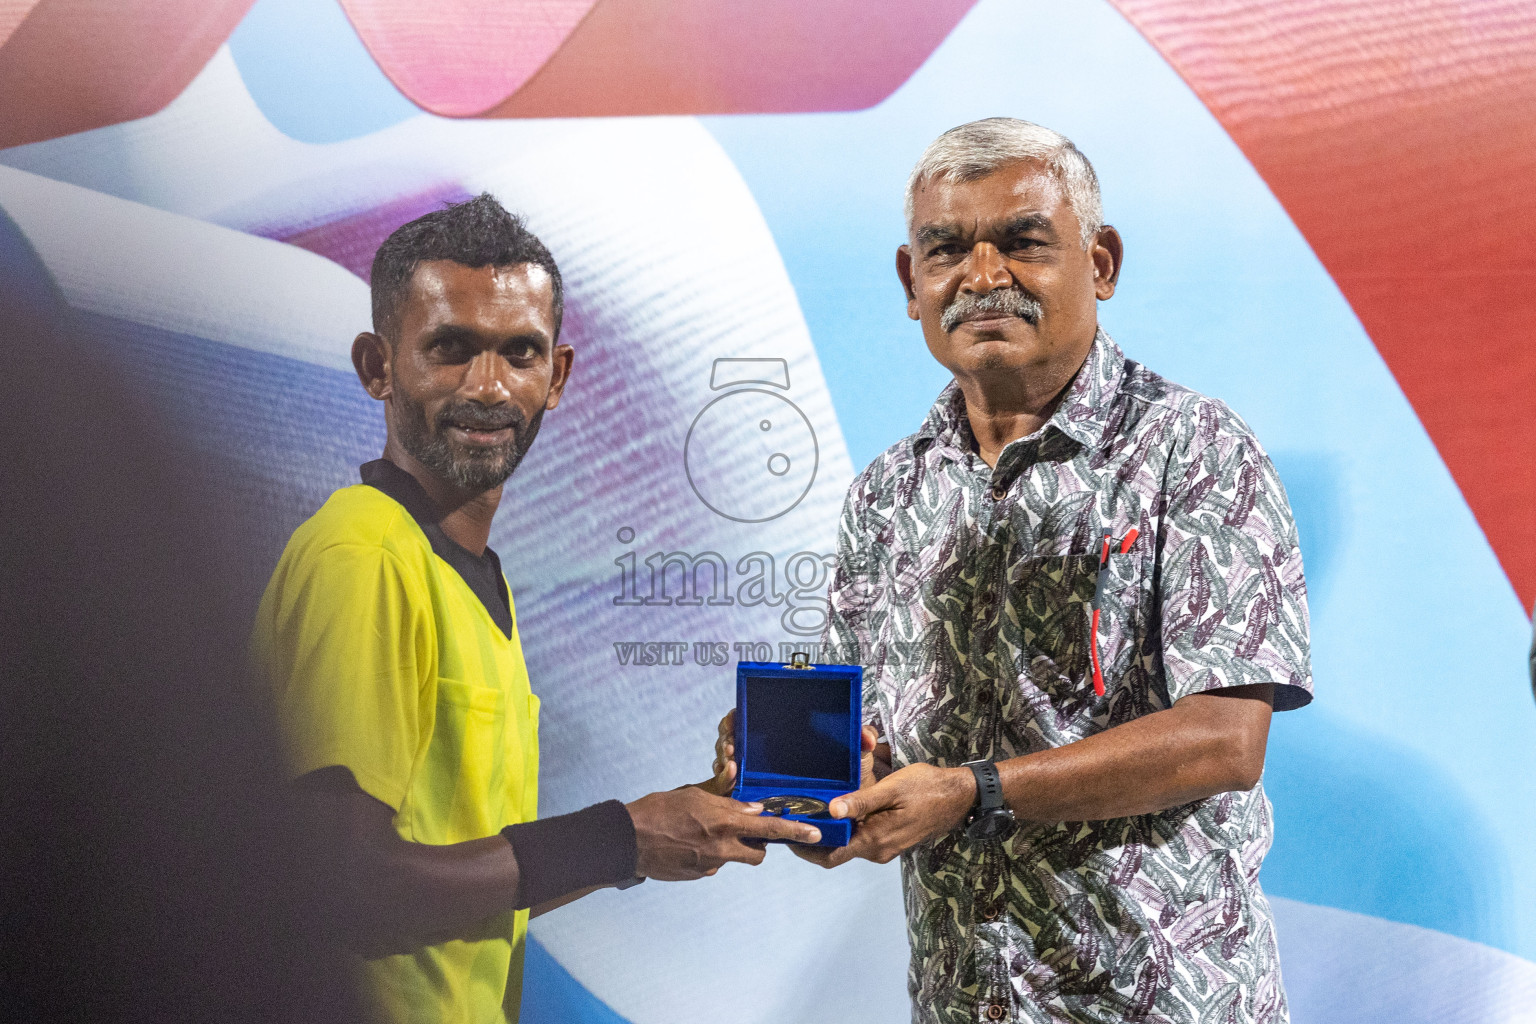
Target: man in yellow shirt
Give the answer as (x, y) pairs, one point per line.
(389, 638)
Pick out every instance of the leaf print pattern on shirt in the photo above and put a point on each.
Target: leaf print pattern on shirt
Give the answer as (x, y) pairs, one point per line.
(965, 592)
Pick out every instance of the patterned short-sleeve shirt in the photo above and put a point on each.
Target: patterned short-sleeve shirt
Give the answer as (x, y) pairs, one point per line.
(965, 592)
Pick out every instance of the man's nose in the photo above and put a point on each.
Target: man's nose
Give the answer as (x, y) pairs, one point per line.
(988, 271)
(484, 381)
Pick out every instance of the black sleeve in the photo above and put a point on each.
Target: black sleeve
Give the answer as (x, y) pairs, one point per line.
(561, 855)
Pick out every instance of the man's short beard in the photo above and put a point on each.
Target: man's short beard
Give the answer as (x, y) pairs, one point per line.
(474, 470)
(1006, 301)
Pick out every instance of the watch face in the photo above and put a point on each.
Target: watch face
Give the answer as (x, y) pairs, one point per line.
(991, 825)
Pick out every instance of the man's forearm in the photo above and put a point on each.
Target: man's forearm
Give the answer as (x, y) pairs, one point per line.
(406, 895)
(401, 895)
(1206, 744)
(419, 894)
(570, 897)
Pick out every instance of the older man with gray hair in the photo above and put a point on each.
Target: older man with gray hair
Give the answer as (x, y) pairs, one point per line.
(1077, 595)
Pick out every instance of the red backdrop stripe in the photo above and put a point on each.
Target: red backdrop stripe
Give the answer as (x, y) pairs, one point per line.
(1401, 138)
(12, 14)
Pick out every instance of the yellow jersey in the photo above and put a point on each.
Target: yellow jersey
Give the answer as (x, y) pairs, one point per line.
(393, 652)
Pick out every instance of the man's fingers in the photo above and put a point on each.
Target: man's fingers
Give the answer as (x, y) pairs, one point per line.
(862, 803)
(724, 765)
(720, 784)
(869, 738)
(863, 845)
(725, 750)
(769, 827)
(743, 851)
(823, 856)
(818, 855)
(724, 772)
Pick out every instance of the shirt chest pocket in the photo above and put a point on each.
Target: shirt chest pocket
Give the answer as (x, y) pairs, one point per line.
(1050, 620)
(461, 785)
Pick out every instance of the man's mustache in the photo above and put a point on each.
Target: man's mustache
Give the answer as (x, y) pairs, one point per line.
(474, 416)
(1006, 301)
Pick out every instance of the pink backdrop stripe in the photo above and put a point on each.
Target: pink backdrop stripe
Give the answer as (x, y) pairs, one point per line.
(563, 58)
(460, 58)
(72, 65)
(734, 56)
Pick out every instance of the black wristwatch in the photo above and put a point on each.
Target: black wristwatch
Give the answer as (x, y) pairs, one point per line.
(990, 820)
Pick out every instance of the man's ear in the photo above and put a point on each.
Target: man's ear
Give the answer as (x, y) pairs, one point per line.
(1107, 253)
(561, 373)
(904, 271)
(370, 358)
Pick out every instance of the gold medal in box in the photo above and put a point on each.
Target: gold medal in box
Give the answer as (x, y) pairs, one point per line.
(797, 740)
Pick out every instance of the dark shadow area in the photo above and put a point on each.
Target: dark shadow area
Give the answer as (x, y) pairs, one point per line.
(151, 867)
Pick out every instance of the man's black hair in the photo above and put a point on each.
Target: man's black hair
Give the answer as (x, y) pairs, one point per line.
(478, 232)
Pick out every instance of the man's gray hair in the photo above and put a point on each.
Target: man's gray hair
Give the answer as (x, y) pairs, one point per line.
(975, 150)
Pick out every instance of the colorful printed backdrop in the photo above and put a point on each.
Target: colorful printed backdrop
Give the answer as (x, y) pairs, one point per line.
(1328, 224)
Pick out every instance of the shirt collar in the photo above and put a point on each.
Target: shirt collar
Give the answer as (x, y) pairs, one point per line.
(383, 475)
(1082, 416)
(482, 573)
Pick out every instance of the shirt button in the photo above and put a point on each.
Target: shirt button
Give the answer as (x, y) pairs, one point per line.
(999, 493)
(985, 695)
(997, 1011)
(989, 912)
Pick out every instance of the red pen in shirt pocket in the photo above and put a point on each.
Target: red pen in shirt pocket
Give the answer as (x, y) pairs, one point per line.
(1098, 596)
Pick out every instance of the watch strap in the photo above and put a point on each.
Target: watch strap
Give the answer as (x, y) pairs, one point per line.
(989, 786)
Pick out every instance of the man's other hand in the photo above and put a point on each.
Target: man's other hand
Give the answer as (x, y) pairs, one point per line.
(876, 762)
(875, 765)
(903, 809)
(689, 833)
(724, 767)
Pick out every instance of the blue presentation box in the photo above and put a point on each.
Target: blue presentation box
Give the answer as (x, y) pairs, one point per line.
(797, 736)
